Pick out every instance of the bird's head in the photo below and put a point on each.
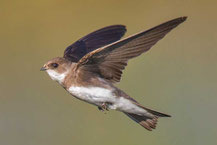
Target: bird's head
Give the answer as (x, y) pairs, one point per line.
(57, 68)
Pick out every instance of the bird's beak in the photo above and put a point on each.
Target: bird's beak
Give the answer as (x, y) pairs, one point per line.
(43, 68)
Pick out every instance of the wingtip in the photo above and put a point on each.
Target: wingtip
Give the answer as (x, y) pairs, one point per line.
(124, 27)
(119, 26)
(168, 115)
(179, 20)
(184, 18)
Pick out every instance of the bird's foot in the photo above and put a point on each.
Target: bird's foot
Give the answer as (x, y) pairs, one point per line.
(100, 109)
(104, 107)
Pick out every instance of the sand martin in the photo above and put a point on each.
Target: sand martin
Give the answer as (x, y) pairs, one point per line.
(92, 65)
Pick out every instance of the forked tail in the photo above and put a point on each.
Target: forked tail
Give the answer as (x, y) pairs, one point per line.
(147, 122)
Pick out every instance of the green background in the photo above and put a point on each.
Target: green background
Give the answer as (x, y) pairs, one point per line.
(177, 76)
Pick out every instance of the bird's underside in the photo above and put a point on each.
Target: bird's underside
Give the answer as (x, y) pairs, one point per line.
(111, 97)
(92, 65)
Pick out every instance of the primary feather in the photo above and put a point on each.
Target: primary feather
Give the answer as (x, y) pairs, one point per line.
(110, 60)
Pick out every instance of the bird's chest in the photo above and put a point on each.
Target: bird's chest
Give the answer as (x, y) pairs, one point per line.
(93, 95)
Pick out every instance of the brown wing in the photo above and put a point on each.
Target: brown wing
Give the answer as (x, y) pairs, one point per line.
(110, 60)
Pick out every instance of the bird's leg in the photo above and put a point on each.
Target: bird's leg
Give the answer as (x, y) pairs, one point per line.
(105, 106)
(100, 109)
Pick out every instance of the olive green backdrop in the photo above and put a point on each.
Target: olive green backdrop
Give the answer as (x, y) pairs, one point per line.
(177, 76)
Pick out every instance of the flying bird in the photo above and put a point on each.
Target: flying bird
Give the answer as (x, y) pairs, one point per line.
(91, 66)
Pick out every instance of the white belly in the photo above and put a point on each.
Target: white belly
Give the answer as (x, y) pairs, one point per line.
(97, 96)
(93, 95)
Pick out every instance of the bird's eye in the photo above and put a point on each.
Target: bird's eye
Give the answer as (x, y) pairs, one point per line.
(55, 65)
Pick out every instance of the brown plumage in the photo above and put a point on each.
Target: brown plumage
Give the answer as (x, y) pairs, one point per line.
(110, 60)
(92, 65)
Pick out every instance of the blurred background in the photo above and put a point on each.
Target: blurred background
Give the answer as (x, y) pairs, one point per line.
(177, 76)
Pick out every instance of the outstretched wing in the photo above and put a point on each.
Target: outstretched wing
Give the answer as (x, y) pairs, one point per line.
(93, 41)
(109, 61)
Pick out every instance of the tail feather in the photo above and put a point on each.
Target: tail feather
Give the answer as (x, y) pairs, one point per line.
(147, 122)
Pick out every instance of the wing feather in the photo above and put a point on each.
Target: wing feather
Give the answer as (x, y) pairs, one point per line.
(93, 41)
(110, 60)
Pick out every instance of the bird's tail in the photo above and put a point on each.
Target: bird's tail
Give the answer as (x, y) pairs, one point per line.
(147, 122)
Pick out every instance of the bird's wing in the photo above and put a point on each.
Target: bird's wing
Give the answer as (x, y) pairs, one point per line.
(110, 60)
(93, 41)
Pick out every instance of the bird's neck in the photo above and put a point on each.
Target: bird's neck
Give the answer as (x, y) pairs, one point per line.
(58, 77)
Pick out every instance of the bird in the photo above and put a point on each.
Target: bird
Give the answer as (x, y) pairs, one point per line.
(91, 66)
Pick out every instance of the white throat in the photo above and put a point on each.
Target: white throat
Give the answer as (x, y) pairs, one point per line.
(57, 76)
